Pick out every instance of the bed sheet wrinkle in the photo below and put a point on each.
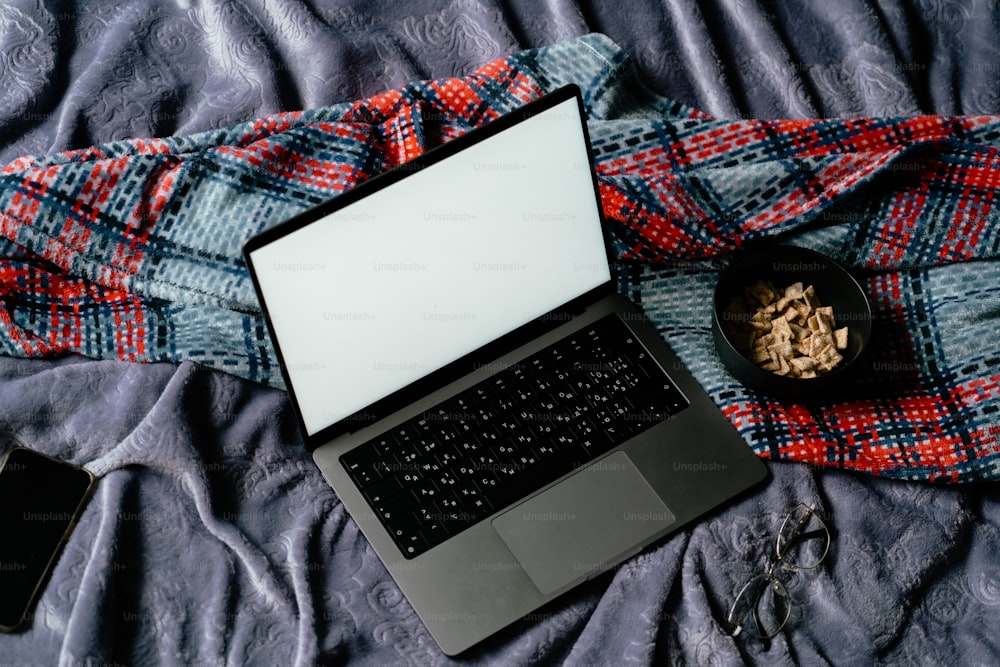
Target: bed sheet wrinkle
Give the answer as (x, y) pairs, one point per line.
(213, 539)
(27, 58)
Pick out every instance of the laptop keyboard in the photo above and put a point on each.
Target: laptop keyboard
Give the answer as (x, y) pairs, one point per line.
(508, 436)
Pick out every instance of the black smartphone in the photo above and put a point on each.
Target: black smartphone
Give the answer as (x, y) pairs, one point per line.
(40, 501)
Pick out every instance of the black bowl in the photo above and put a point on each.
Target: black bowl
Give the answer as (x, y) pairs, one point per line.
(784, 265)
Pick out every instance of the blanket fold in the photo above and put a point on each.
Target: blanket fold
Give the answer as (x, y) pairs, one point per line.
(131, 250)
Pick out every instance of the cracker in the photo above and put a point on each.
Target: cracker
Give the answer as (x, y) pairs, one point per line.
(799, 332)
(840, 338)
(827, 358)
(803, 364)
(782, 349)
(804, 310)
(794, 291)
(781, 330)
(824, 318)
(760, 321)
(810, 298)
(818, 342)
(764, 292)
(787, 331)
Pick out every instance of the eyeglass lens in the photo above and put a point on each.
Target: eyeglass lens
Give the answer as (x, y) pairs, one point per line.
(803, 539)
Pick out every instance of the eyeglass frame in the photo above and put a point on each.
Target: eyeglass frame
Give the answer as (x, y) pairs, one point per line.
(769, 575)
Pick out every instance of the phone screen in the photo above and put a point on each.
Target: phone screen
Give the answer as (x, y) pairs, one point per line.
(40, 500)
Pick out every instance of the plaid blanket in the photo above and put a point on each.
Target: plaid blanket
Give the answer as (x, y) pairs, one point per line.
(131, 250)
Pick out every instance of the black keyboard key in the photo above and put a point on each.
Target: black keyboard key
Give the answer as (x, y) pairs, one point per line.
(405, 532)
(432, 527)
(393, 506)
(525, 440)
(507, 426)
(471, 444)
(485, 435)
(485, 478)
(385, 488)
(596, 442)
(453, 519)
(467, 491)
(504, 450)
(367, 475)
(360, 457)
(424, 489)
(566, 437)
(451, 455)
(526, 458)
(445, 480)
(506, 470)
(447, 503)
(434, 532)
(407, 456)
(403, 435)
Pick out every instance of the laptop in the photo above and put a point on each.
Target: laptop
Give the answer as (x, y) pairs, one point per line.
(500, 423)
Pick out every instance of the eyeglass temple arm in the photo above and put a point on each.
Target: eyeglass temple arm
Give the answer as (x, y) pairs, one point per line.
(802, 537)
(798, 536)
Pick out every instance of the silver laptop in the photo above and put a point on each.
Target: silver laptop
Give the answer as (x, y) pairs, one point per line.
(498, 421)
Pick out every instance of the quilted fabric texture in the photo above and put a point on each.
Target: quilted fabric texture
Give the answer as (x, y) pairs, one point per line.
(131, 250)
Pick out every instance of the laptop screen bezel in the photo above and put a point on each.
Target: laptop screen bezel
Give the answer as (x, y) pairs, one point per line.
(469, 362)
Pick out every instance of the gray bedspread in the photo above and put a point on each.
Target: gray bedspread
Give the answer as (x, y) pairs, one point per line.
(212, 538)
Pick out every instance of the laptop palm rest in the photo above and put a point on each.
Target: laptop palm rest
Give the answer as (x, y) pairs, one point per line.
(583, 525)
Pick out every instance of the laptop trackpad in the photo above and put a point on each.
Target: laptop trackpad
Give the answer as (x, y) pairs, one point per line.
(584, 524)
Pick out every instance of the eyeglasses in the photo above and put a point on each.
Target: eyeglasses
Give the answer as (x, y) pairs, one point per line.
(763, 605)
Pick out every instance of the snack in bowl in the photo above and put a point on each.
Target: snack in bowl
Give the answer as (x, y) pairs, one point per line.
(786, 331)
(772, 271)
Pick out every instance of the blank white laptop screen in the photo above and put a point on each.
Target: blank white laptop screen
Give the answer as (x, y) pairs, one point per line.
(408, 279)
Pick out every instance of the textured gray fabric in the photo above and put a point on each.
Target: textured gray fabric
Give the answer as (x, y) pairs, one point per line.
(212, 538)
